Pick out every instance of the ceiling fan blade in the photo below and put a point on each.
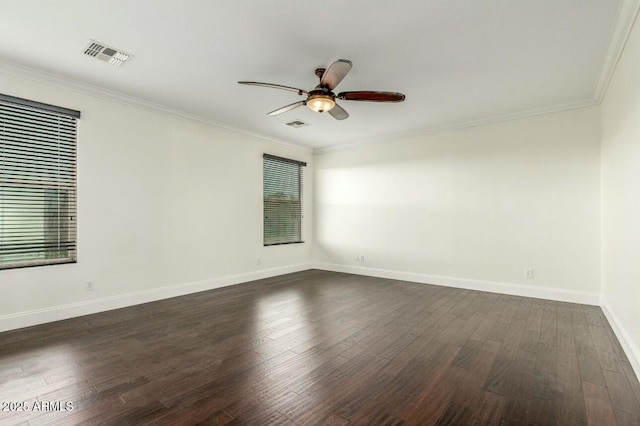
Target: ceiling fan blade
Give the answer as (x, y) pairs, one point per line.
(371, 96)
(287, 108)
(338, 112)
(274, 86)
(335, 73)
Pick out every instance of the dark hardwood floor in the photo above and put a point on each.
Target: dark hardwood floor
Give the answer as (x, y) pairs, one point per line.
(324, 348)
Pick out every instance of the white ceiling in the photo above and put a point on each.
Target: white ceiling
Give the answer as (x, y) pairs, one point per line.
(458, 62)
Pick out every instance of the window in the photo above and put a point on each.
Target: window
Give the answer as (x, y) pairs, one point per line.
(282, 192)
(37, 183)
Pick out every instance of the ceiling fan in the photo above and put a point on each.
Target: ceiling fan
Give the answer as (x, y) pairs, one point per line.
(322, 98)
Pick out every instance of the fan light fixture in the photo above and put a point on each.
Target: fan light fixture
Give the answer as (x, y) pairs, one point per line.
(320, 102)
(322, 98)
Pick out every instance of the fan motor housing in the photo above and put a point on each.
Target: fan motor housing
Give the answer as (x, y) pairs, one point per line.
(320, 100)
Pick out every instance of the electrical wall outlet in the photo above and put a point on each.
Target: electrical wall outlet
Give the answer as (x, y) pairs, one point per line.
(89, 286)
(528, 273)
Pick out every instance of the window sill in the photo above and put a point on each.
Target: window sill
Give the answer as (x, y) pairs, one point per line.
(281, 244)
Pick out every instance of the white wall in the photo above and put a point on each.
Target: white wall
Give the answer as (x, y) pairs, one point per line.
(165, 207)
(471, 208)
(168, 206)
(621, 199)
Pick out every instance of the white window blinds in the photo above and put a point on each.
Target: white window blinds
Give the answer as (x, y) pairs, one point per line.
(37, 183)
(282, 195)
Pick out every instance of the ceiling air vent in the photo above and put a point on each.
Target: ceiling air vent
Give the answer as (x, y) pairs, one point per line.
(296, 124)
(107, 54)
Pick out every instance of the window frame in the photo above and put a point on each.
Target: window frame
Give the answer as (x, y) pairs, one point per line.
(30, 180)
(300, 202)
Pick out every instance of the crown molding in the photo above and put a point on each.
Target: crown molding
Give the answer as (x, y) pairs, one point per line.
(462, 125)
(627, 15)
(625, 19)
(130, 101)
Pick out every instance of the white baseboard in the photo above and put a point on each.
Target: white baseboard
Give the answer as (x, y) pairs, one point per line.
(629, 347)
(469, 284)
(56, 313)
(61, 312)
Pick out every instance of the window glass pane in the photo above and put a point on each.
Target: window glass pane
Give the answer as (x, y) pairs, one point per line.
(282, 197)
(37, 184)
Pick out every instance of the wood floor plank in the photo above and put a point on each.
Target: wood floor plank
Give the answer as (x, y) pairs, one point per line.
(548, 326)
(490, 410)
(570, 410)
(568, 370)
(436, 403)
(599, 410)
(624, 418)
(419, 344)
(498, 332)
(632, 380)
(319, 347)
(590, 369)
(363, 401)
(310, 408)
(467, 354)
(620, 392)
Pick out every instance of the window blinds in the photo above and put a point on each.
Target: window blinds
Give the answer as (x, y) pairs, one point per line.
(282, 194)
(37, 183)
